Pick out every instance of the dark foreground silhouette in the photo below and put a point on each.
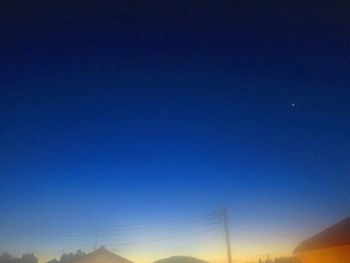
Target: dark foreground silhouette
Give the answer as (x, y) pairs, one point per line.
(25, 258)
(180, 259)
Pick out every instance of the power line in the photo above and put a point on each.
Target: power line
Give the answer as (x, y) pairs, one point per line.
(160, 239)
(93, 233)
(113, 232)
(208, 217)
(203, 221)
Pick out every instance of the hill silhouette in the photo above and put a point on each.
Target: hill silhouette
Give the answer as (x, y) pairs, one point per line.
(180, 259)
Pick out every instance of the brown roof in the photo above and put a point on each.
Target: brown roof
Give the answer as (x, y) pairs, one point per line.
(102, 255)
(334, 236)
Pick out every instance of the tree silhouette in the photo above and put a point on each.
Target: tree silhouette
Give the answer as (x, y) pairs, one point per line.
(68, 257)
(26, 258)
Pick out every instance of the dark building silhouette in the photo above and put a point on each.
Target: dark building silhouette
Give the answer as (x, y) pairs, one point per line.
(332, 245)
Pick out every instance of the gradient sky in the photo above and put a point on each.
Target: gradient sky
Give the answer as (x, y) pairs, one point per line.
(136, 113)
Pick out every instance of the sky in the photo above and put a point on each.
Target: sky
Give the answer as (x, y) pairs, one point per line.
(127, 124)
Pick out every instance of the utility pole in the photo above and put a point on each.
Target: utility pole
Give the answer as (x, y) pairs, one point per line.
(96, 237)
(227, 236)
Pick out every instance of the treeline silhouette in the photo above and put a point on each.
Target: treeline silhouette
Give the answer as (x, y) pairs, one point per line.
(25, 258)
(68, 257)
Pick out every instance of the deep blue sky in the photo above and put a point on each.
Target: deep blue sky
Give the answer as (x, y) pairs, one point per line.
(144, 111)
